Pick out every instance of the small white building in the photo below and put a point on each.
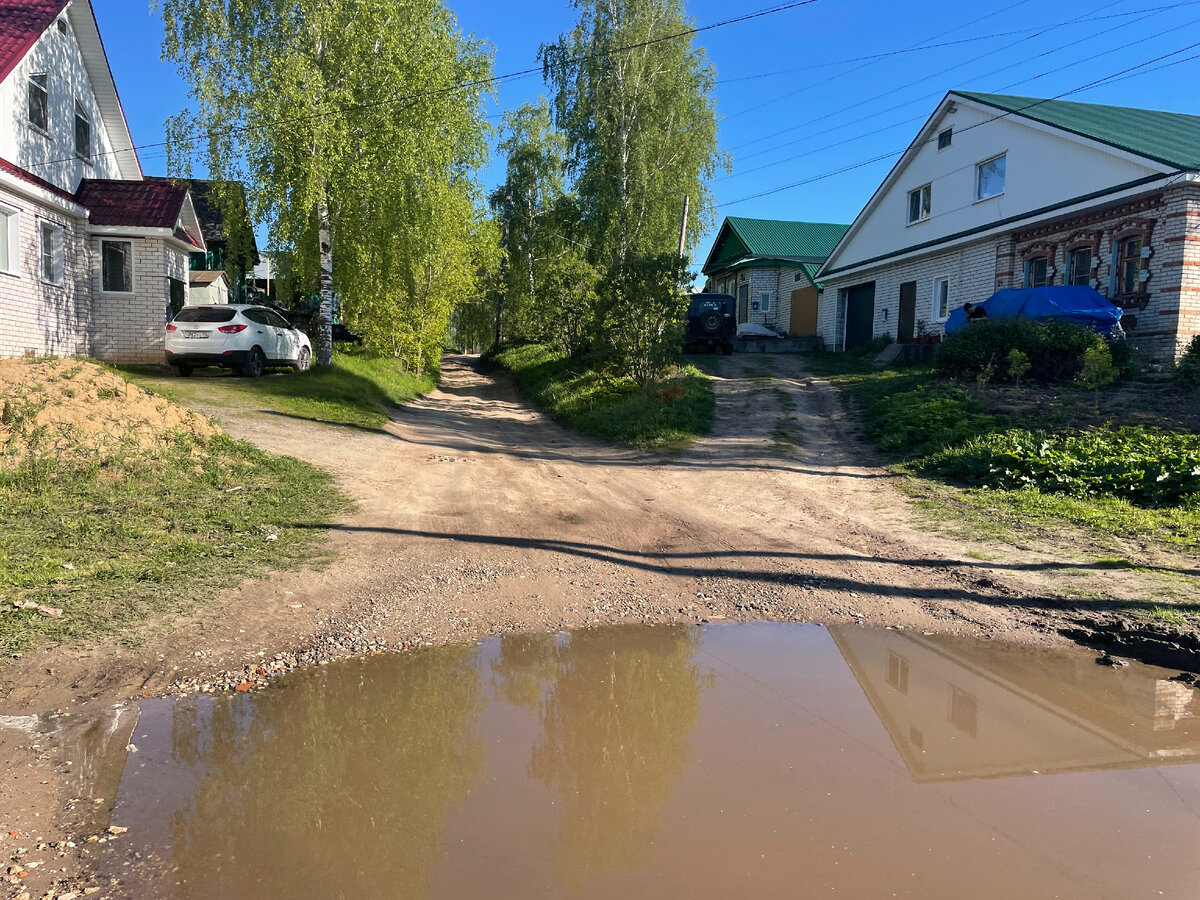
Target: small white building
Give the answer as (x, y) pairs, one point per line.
(92, 256)
(208, 288)
(999, 191)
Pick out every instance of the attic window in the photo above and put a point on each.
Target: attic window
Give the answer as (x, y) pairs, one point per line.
(39, 102)
(62, 26)
(945, 138)
(920, 204)
(83, 132)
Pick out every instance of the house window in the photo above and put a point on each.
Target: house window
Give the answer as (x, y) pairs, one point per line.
(945, 138)
(1079, 266)
(964, 711)
(1129, 264)
(52, 252)
(799, 275)
(116, 259)
(941, 298)
(39, 103)
(83, 133)
(1035, 272)
(8, 240)
(989, 178)
(920, 202)
(897, 674)
(764, 302)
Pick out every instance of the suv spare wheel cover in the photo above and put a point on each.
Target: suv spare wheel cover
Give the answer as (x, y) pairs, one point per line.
(711, 321)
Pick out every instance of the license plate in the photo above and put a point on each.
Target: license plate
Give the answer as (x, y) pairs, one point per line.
(195, 334)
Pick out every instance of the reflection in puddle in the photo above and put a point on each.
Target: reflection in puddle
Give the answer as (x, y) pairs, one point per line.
(763, 760)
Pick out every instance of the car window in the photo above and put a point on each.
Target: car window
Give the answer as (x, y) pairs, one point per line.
(205, 314)
(274, 318)
(258, 316)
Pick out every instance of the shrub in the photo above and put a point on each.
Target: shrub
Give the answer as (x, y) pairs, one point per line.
(1146, 466)
(1188, 369)
(1055, 348)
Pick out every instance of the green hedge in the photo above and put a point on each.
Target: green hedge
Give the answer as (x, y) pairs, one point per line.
(1055, 349)
(1189, 364)
(1146, 466)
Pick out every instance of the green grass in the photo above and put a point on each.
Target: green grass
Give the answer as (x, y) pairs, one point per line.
(666, 415)
(117, 543)
(911, 414)
(357, 390)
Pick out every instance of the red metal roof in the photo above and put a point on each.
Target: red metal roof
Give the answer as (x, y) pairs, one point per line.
(143, 204)
(21, 24)
(25, 175)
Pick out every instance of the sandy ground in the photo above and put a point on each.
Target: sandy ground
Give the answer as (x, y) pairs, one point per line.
(480, 516)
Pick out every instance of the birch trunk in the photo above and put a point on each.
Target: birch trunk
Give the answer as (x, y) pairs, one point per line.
(325, 310)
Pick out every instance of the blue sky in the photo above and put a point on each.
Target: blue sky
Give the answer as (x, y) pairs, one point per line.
(797, 98)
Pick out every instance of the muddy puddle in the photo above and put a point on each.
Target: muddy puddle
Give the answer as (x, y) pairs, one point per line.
(759, 760)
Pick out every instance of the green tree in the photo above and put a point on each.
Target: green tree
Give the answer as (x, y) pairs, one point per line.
(535, 182)
(640, 126)
(355, 127)
(641, 134)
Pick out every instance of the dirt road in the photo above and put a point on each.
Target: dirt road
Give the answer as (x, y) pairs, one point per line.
(478, 515)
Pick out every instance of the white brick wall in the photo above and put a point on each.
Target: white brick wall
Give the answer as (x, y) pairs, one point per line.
(36, 317)
(970, 269)
(130, 327)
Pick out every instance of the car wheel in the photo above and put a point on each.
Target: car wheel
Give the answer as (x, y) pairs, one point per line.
(711, 321)
(255, 365)
(183, 370)
(304, 360)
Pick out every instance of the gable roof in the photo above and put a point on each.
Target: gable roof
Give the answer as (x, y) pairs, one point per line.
(22, 22)
(1177, 147)
(1165, 137)
(742, 240)
(205, 277)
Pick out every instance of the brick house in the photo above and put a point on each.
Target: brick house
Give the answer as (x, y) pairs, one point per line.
(771, 267)
(92, 255)
(999, 191)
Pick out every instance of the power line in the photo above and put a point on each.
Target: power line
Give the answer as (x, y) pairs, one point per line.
(1091, 56)
(491, 80)
(1116, 76)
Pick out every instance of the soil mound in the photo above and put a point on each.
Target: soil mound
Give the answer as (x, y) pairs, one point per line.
(75, 410)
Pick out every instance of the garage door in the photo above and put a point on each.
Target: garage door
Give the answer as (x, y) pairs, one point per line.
(860, 314)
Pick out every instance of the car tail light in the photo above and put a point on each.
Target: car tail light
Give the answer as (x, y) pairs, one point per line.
(231, 329)
(172, 328)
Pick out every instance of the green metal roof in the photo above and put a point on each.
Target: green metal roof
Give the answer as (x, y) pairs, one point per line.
(1165, 137)
(790, 243)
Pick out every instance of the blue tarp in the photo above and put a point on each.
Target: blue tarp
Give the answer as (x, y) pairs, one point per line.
(1075, 304)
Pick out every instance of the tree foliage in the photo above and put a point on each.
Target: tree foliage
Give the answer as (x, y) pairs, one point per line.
(640, 125)
(355, 128)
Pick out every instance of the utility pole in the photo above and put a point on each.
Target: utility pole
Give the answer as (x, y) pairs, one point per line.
(683, 225)
(503, 260)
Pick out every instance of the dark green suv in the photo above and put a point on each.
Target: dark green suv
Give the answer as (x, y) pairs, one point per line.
(711, 323)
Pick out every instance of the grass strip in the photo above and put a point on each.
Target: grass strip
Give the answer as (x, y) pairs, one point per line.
(665, 415)
(356, 391)
(117, 542)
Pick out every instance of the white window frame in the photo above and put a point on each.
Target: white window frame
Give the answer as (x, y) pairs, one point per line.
(948, 133)
(908, 208)
(57, 259)
(933, 304)
(979, 195)
(132, 269)
(12, 236)
(81, 113)
(764, 301)
(45, 89)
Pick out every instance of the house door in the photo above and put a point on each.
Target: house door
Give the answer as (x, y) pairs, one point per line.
(743, 312)
(860, 314)
(907, 323)
(804, 312)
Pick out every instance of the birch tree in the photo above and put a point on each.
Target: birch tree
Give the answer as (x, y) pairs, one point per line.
(640, 126)
(355, 126)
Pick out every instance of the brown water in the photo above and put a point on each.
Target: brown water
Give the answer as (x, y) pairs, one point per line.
(731, 761)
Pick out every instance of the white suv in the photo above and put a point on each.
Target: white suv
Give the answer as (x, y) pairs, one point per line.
(238, 336)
